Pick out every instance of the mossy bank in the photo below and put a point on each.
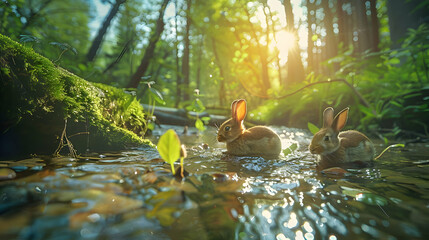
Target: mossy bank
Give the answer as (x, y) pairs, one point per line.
(38, 98)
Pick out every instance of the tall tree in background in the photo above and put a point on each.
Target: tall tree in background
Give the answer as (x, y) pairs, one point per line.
(262, 52)
(310, 22)
(375, 26)
(276, 51)
(342, 37)
(362, 26)
(150, 49)
(96, 43)
(294, 62)
(403, 15)
(121, 66)
(330, 42)
(199, 59)
(176, 45)
(221, 92)
(185, 59)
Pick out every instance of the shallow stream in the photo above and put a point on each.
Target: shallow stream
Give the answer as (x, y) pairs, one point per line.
(133, 195)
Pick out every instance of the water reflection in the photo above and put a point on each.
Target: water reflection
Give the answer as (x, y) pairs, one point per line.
(131, 195)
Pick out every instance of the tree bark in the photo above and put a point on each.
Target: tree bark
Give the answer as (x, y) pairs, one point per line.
(185, 59)
(341, 23)
(262, 55)
(403, 15)
(331, 43)
(148, 55)
(222, 94)
(200, 55)
(375, 26)
(96, 43)
(295, 67)
(279, 70)
(310, 48)
(176, 44)
(362, 25)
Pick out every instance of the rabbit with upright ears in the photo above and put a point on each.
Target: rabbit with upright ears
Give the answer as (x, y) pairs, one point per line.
(335, 148)
(255, 141)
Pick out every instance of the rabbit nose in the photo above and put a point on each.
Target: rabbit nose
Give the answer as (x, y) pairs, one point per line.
(220, 138)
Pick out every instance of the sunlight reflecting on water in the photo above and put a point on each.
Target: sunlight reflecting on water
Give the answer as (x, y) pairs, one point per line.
(132, 195)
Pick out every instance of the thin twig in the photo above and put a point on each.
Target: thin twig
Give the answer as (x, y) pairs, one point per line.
(80, 133)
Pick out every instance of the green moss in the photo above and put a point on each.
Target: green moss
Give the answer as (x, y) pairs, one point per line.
(37, 96)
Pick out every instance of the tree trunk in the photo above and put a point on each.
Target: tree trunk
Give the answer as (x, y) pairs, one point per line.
(96, 43)
(200, 55)
(375, 26)
(156, 34)
(222, 94)
(331, 43)
(362, 25)
(185, 59)
(310, 48)
(341, 23)
(262, 55)
(295, 67)
(176, 44)
(279, 70)
(403, 15)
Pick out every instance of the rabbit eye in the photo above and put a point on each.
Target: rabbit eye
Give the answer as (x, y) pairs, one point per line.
(227, 128)
(326, 138)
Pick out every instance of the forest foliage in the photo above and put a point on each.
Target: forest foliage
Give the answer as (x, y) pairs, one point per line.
(262, 51)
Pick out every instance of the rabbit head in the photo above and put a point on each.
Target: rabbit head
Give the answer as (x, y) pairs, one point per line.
(233, 127)
(326, 140)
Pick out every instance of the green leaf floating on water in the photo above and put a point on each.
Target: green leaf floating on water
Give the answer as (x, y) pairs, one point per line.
(290, 149)
(169, 148)
(313, 129)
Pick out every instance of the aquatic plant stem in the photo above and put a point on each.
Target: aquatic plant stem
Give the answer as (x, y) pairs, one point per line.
(181, 167)
(394, 145)
(172, 169)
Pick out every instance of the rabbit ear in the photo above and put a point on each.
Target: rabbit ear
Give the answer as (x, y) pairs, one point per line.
(241, 110)
(328, 117)
(340, 120)
(234, 108)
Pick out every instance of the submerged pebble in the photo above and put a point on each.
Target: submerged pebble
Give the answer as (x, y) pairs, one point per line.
(7, 173)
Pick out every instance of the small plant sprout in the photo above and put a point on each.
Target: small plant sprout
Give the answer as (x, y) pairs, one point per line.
(198, 107)
(183, 155)
(64, 47)
(170, 149)
(154, 96)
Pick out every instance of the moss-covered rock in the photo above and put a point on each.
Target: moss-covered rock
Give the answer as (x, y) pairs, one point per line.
(37, 97)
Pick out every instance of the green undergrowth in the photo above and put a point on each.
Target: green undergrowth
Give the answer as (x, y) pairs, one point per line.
(37, 97)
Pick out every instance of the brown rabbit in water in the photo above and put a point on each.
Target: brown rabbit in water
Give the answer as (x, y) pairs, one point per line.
(255, 141)
(334, 147)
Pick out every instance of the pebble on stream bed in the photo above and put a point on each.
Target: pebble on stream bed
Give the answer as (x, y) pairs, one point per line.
(7, 173)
